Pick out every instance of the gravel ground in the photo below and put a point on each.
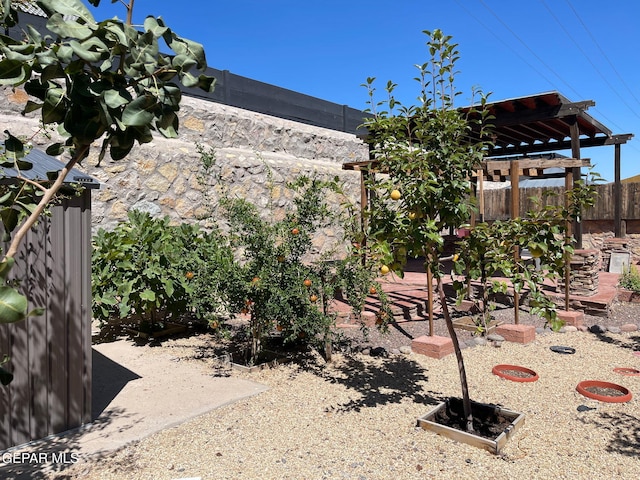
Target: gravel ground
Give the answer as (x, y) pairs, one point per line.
(356, 417)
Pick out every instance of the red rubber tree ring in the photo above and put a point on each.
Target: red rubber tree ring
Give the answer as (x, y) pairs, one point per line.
(584, 385)
(501, 371)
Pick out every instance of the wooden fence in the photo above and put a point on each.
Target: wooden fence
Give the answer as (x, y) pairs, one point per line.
(51, 354)
(497, 202)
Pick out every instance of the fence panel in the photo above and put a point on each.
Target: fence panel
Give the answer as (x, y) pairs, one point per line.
(497, 202)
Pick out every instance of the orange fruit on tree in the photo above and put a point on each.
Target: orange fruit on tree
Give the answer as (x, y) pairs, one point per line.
(373, 290)
(307, 283)
(313, 298)
(295, 231)
(189, 275)
(384, 270)
(395, 195)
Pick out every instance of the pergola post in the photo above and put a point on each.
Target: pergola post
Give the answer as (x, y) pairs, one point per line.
(617, 195)
(568, 184)
(575, 153)
(514, 174)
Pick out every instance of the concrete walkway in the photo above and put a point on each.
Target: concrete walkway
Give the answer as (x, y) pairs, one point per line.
(135, 394)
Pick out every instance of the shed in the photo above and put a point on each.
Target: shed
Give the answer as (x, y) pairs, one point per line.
(50, 355)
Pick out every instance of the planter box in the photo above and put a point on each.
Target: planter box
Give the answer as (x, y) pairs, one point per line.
(625, 295)
(467, 323)
(515, 421)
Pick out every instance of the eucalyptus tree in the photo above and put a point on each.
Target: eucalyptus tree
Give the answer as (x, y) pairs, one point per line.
(106, 81)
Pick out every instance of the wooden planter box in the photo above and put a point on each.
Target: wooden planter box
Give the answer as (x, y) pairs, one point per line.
(428, 422)
(467, 323)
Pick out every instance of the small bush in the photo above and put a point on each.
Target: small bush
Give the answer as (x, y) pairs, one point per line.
(148, 271)
(630, 278)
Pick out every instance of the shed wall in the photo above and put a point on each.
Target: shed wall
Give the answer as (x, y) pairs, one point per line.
(51, 354)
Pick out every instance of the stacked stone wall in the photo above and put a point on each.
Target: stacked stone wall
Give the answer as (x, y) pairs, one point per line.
(258, 155)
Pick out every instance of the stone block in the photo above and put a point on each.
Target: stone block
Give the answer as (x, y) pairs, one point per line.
(368, 318)
(573, 318)
(432, 346)
(517, 333)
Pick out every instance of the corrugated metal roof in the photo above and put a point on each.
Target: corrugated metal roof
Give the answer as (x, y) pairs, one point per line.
(32, 8)
(43, 164)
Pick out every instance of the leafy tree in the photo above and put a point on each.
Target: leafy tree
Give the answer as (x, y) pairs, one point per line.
(91, 80)
(544, 232)
(426, 156)
(286, 284)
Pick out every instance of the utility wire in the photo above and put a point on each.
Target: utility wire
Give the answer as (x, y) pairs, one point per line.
(510, 47)
(613, 89)
(507, 45)
(505, 25)
(529, 48)
(602, 52)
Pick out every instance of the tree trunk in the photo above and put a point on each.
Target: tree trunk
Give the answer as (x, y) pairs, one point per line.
(466, 401)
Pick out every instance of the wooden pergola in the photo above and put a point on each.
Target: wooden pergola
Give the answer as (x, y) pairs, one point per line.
(522, 129)
(531, 125)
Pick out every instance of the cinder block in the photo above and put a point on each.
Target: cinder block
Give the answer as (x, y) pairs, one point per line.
(573, 318)
(432, 346)
(517, 333)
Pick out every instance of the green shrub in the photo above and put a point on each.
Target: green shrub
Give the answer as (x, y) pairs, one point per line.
(283, 288)
(286, 285)
(630, 278)
(148, 270)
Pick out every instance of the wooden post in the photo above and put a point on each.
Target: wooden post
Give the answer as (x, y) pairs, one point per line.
(575, 153)
(568, 184)
(617, 195)
(514, 173)
(430, 300)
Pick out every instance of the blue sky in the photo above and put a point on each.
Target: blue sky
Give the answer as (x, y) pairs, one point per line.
(584, 49)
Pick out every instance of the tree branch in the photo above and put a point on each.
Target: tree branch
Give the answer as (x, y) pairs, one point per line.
(44, 201)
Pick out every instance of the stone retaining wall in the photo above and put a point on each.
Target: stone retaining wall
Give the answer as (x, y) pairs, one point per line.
(162, 177)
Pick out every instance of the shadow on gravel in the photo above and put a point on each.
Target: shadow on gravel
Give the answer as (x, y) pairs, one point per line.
(50, 457)
(624, 428)
(379, 383)
(632, 342)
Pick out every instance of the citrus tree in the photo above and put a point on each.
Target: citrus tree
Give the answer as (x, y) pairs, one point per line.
(92, 81)
(424, 156)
